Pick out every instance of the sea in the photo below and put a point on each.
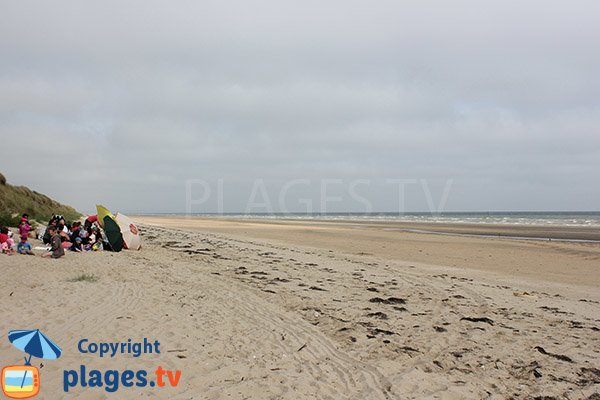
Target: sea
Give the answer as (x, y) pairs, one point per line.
(555, 218)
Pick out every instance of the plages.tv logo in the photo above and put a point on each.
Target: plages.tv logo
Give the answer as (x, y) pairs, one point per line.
(23, 381)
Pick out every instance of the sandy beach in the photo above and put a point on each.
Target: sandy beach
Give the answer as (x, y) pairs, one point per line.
(295, 200)
(323, 310)
(463, 246)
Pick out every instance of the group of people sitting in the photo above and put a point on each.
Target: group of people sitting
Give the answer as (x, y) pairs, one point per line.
(7, 243)
(58, 235)
(76, 237)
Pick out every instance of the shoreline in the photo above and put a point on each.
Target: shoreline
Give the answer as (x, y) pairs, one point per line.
(497, 236)
(511, 231)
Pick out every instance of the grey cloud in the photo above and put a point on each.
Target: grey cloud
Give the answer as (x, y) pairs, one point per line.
(122, 102)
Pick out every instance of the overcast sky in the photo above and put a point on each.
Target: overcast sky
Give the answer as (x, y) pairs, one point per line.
(497, 103)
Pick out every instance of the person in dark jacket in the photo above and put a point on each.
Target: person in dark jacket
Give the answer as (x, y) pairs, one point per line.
(47, 236)
(75, 231)
(56, 249)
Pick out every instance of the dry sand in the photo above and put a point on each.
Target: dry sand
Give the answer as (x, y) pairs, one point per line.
(295, 310)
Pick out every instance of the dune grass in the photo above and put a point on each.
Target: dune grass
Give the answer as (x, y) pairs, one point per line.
(16, 200)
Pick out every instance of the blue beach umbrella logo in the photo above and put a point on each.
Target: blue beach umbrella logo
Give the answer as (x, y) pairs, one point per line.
(34, 343)
(20, 382)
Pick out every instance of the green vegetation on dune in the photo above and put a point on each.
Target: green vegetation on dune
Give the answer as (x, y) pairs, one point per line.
(16, 200)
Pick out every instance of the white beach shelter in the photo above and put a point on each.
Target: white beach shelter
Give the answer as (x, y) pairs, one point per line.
(130, 233)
